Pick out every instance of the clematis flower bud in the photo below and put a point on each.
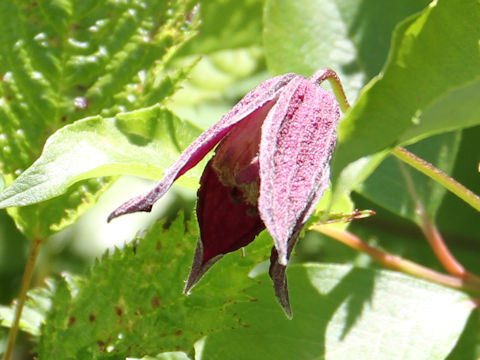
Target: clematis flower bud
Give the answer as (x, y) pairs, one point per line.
(270, 169)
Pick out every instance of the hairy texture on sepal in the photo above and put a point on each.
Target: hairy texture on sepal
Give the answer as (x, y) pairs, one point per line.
(298, 137)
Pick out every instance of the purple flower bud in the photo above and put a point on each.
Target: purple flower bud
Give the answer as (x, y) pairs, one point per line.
(269, 170)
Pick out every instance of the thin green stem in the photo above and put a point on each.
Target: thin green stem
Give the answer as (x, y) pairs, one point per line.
(332, 77)
(22, 296)
(398, 263)
(439, 176)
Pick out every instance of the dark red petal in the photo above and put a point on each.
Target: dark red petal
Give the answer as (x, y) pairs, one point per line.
(264, 93)
(298, 137)
(226, 222)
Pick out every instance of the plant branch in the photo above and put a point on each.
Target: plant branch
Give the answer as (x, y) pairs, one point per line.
(446, 258)
(22, 296)
(433, 236)
(439, 176)
(443, 254)
(397, 263)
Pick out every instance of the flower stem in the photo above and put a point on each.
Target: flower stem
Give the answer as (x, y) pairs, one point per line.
(22, 296)
(332, 77)
(398, 263)
(439, 176)
(403, 154)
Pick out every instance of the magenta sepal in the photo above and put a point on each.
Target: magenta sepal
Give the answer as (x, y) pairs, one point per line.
(298, 138)
(270, 170)
(254, 100)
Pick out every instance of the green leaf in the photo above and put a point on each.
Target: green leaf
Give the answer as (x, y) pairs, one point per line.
(352, 37)
(342, 312)
(432, 54)
(142, 143)
(131, 303)
(397, 187)
(455, 110)
(63, 61)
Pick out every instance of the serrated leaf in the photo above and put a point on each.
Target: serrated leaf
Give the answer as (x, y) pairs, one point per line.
(352, 37)
(142, 143)
(62, 61)
(399, 189)
(131, 303)
(432, 53)
(342, 312)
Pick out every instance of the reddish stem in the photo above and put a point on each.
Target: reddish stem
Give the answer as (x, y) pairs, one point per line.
(396, 262)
